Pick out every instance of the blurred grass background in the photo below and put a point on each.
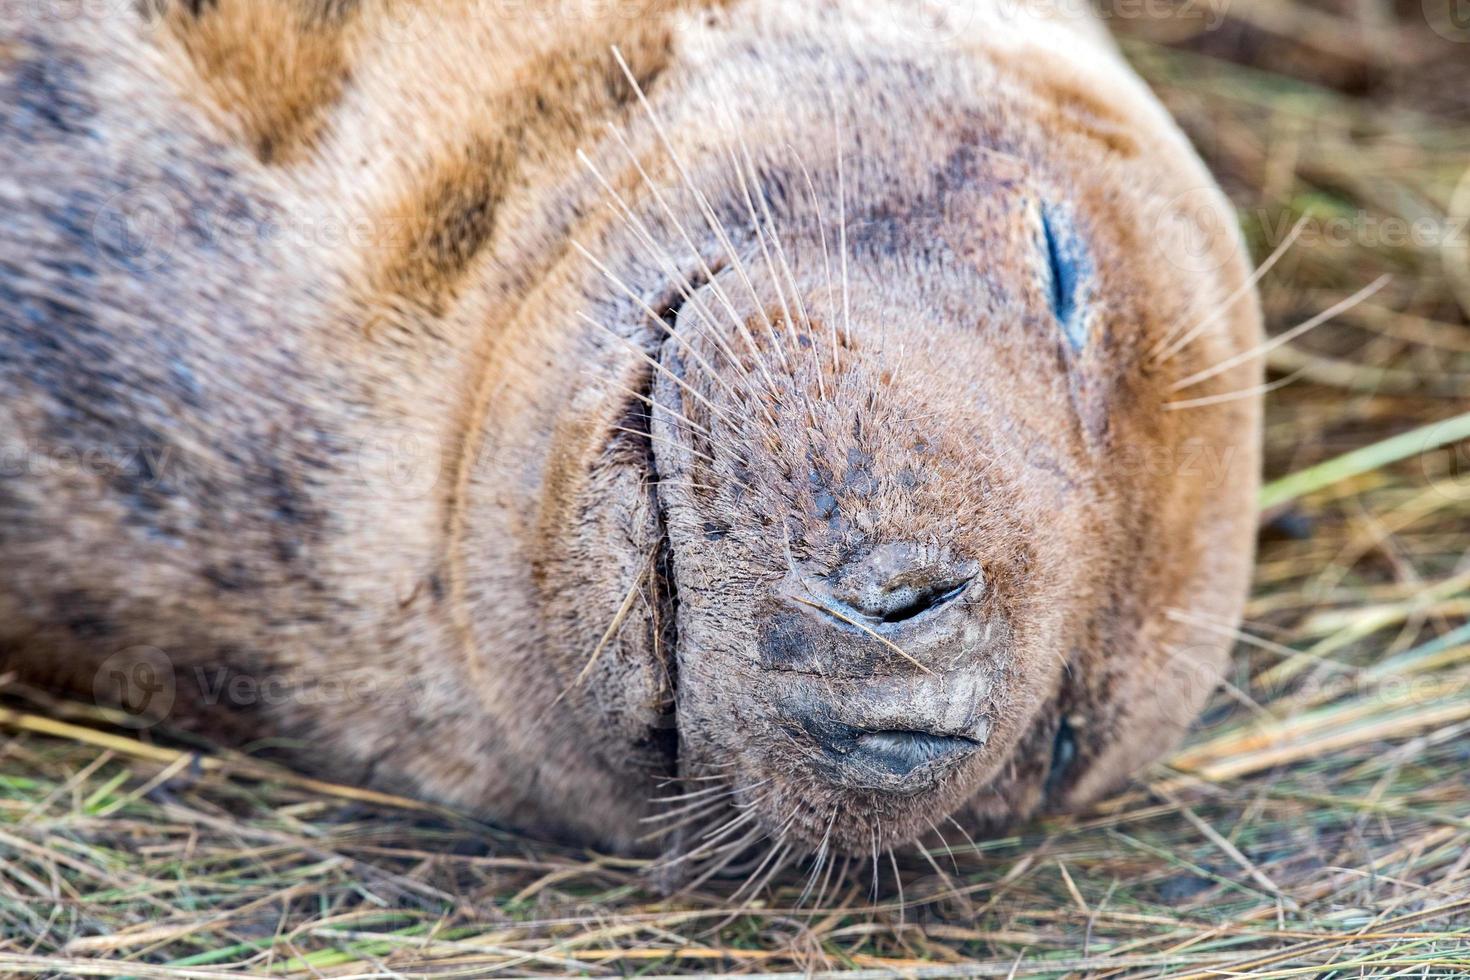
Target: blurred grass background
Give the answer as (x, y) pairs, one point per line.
(1317, 824)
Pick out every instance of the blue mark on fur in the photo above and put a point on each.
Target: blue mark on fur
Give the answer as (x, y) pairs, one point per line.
(1067, 262)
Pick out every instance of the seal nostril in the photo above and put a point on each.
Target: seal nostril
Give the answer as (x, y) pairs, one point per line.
(906, 603)
(896, 582)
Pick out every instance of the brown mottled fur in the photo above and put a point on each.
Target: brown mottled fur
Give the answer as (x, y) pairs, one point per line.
(309, 380)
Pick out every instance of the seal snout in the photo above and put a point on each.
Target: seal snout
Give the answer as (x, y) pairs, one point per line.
(899, 609)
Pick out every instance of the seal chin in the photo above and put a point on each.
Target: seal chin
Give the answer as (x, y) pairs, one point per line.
(845, 759)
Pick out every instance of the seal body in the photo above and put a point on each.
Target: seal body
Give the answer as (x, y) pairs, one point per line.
(843, 409)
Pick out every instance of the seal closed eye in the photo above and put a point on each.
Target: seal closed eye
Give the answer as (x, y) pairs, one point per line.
(1066, 264)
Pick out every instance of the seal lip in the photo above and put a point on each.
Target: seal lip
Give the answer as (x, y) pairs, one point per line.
(904, 762)
(905, 750)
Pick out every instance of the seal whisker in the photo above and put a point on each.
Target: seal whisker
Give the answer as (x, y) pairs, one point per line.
(680, 418)
(701, 806)
(777, 846)
(898, 882)
(951, 886)
(671, 269)
(842, 222)
(705, 806)
(711, 219)
(717, 841)
(696, 486)
(700, 852)
(731, 852)
(760, 239)
(823, 856)
(693, 818)
(837, 614)
(826, 256)
(740, 167)
(742, 817)
(692, 795)
(781, 855)
(785, 269)
(654, 316)
(683, 385)
(819, 860)
(741, 328)
(1284, 338)
(974, 848)
(838, 878)
(653, 438)
(756, 802)
(1233, 396)
(770, 222)
(1166, 349)
(947, 849)
(873, 836)
(677, 780)
(707, 271)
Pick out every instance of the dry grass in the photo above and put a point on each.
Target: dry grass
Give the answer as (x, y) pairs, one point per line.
(1317, 824)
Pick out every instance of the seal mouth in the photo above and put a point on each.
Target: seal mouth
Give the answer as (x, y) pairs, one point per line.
(903, 762)
(901, 752)
(900, 761)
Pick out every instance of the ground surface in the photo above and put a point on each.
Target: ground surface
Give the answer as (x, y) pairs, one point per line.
(1317, 824)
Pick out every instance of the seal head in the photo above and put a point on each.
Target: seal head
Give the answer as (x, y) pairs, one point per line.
(917, 566)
